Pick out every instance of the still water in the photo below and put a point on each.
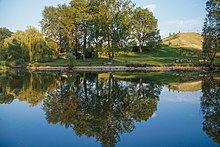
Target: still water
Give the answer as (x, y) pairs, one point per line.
(63, 109)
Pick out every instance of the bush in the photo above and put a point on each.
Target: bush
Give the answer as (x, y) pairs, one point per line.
(3, 63)
(136, 65)
(19, 62)
(49, 59)
(70, 59)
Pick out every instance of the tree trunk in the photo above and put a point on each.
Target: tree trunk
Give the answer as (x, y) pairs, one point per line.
(212, 64)
(140, 47)
(111, 57)
(96, 46)
(76, 47)
(110, 54)
(84, 45)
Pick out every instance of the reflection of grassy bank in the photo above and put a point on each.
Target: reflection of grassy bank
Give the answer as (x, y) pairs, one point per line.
(187, 86)
(32, 86)
(158, 77)
(178, 81)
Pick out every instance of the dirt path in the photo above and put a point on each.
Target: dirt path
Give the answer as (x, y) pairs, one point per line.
(116, 68)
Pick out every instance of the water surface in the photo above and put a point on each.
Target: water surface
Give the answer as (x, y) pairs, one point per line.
(53, 109)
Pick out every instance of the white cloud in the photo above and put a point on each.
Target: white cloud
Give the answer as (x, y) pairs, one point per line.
(154, 115)
(188, 25)
(185, 24)
(180, 97)
(151, 7)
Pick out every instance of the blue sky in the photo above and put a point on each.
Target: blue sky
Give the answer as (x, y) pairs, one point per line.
(172, 15)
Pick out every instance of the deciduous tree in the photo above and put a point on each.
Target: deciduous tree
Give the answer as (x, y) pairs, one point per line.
(144, 26)
(211, 30)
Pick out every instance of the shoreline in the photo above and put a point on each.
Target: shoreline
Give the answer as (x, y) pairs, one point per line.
(115, 68)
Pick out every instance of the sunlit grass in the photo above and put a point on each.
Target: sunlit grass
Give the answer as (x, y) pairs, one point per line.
(156, 57)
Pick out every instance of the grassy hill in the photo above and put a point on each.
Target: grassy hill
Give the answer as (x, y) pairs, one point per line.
(185, 40)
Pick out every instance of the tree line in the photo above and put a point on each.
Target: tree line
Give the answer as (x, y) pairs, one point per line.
(24, 46)
(84, 28)
(89, 27)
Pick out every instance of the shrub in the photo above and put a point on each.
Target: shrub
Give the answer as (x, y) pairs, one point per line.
(70, 59)
(136, 65)
(3, 63)
(19, 61)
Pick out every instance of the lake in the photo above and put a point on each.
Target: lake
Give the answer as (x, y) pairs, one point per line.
(54, 109)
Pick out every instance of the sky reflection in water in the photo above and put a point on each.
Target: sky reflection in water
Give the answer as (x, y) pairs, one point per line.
(107, 109)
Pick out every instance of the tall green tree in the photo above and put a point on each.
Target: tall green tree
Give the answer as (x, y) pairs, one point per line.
(81, 17)
(67, 27)
(50, 25)
(116, 25)
(30, 44)
(4, 33)
(12, 50)
(144, 26)
(97, 26)
(32, 38)
(96, 30)
(20, 38)
(211, 30)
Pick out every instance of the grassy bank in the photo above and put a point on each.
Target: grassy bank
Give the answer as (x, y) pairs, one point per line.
(165, 56)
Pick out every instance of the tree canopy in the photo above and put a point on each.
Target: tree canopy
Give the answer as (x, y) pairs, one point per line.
(103, 26)
(211, 30)
(4, 33)
(26, 46)
(84, 28)
(144, 26)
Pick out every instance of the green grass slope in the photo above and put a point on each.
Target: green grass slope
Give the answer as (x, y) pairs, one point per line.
(185, 40)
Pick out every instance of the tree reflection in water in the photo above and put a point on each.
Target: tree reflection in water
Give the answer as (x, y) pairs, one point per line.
(210, 105)
(26, 86)
(99, 107)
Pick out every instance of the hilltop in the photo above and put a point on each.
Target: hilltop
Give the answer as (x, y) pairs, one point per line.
(185, 40)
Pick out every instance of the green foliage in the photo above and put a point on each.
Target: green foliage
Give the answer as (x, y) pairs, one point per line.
(3, 63)
(70, 59)
(12, 51)
(50, 27)
(210, 106)
(4, 33)
(96, 26)
(19, 61)
(26, 46)
(25, 86)
(145, 28)
(211, 33)
(136, 65)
